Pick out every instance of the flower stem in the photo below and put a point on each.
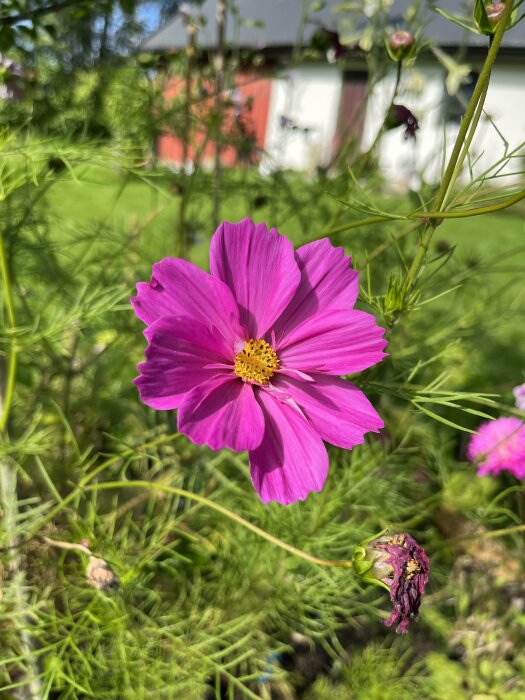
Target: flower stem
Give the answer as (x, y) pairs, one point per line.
(95, 472)
(32, 689)
(363, 164)
(422, 215)
(223, 511)
(5, 405)
(464, 138)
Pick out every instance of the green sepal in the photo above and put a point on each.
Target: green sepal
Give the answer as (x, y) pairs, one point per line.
(362, 565)
(401, 54)
(481, 19)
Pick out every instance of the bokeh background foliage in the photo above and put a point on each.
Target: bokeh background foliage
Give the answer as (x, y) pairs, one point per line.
(205, 608)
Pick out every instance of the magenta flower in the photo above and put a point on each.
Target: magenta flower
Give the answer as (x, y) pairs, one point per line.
(250, 354)
(499, 445)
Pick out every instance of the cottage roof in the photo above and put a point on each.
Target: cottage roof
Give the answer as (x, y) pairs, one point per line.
(273, 24)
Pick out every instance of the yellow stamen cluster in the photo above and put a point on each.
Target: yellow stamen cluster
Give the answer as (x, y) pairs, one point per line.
(398, 540)
(411, 569)
(256, 362)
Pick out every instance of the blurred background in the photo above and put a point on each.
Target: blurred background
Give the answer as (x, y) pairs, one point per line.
(129, 130)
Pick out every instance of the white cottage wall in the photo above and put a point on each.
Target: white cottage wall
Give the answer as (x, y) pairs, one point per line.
(309, 97)
(505, 108)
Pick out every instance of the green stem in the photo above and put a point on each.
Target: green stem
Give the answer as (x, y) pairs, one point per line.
(368, 155)
(94, 473)
(223, 511)
(467, 122)
(466, 145)
(10, 507)
(11, 363)
(463, 213)
(490, 534)
(422, 215)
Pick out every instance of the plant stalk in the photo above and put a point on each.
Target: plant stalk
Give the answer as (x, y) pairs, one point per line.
(219, 84)
(137, 484)
(464, 138)
(32, 690)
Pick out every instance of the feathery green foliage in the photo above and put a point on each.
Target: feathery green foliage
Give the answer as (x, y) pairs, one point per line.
(205, 607)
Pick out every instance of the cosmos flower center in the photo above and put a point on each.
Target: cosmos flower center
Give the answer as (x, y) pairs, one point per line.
(257, 362)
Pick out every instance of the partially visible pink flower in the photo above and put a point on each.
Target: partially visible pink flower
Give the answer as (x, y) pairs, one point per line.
(499, 445)
(251, 354)
(519, 395)
(403, 566)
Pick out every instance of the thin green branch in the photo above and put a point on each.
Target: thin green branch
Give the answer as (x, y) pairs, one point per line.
(422, 215)
(466, 144)
(368, 155)
(223, 511)
(130, 452)
(466, 131)
(11, 363)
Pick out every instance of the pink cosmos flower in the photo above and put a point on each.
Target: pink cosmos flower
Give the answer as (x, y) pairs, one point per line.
(519, 395)
(251, 354)
(499, 445)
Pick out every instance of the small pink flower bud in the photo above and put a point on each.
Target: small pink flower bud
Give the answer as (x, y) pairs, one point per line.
(401, 40)
(494, 12)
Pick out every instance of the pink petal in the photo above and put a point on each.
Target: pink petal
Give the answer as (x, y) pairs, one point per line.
(498, 446)
(260, 269)
(179, 288)
(178, 358)
(222, 412)
(327, 282)
(336, 342)
(291, 460)
(338, 410)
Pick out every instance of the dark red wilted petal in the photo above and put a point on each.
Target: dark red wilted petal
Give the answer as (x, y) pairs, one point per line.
(408, 579)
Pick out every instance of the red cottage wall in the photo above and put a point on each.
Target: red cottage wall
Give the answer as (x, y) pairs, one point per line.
(254, 88)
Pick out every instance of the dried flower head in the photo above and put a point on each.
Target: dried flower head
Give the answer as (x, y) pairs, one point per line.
(328, 41)
(499, 445)
(399, 115)
(402, 566)
(99, 575)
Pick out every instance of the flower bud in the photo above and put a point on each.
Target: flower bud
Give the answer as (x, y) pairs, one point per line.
(401, 40)
(400, 44)
(400, 565)
(494, 12)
